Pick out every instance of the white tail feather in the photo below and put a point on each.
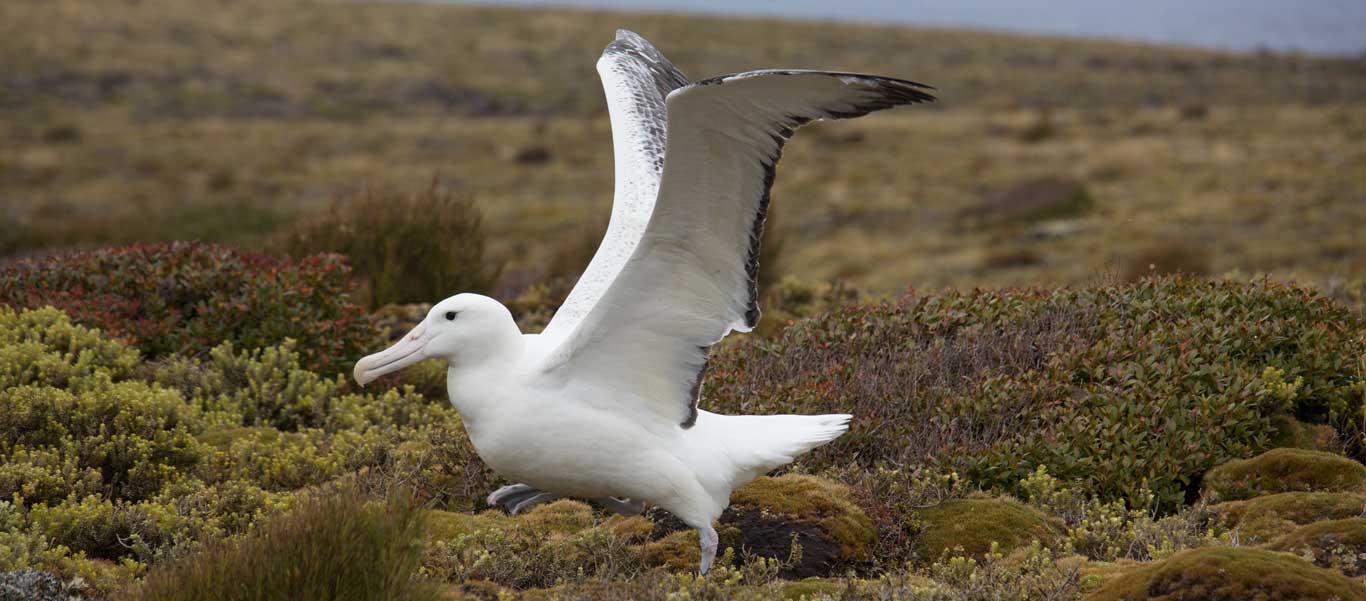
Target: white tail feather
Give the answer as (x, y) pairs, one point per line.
(745, 447)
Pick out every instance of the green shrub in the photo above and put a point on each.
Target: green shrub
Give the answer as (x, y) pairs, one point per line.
(332, 545)
(1110, 530)
(189, 297)
(125, 439)
(405, 247)
(43, 347)
(1285, 470)
(1122, 388)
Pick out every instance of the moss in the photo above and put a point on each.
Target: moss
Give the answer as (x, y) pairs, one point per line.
(1339, 544)
(1292, 433)
(1284, 470)
(1229, 574)
(808, 498)
(563, 516)
(678, 551)
(1265, 517)
(974, 524)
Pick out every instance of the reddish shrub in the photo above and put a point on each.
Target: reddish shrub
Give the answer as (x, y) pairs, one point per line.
(187, 297)
(1111, 386)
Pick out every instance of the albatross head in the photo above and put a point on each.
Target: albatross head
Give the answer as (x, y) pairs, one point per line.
(465, 329)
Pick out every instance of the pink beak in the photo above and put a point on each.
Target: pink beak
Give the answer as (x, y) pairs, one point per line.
(403, 353)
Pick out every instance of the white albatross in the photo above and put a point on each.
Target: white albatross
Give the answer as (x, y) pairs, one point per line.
(602, 405)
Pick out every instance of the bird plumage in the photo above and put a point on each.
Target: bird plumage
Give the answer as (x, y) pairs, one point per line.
(604, 403)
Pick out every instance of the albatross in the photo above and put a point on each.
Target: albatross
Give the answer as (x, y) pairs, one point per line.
(603, 404)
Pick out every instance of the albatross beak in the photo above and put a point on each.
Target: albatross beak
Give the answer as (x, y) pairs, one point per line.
(403, 353)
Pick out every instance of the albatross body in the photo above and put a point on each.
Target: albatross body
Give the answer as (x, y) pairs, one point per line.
(603, 404)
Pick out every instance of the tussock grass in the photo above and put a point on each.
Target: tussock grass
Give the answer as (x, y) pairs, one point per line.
(334, 544)
(405, 247)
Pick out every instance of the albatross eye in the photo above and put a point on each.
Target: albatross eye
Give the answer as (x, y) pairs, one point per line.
(450, 316)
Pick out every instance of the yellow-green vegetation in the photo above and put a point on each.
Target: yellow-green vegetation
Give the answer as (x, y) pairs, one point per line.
(1229, 574)
(1260, 519)
(1338, 544)
(975, 527)
(176, 119)
(118, 467)
(113, 464)
(1285, 470)
(296, 556)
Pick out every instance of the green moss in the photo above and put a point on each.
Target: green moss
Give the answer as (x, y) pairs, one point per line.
(1265, 517)
(1229, 574)
(1339, 544)
(812, 499)
(974, 524)
(1284, 470)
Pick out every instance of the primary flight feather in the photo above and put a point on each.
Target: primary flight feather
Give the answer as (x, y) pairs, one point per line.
(603, 404)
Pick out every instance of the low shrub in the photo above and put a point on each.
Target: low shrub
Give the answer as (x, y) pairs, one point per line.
(334, 544)
(1124, 388)
(405, 247)
(551, 544)
(188, 297)
(1111, 530)
(1285, 470)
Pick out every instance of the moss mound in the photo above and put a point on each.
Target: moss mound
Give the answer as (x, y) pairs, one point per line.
(1284, 470)
(1338, 544)
(1229, 574)
(1266, 517)
(767, 516)
(974, 524)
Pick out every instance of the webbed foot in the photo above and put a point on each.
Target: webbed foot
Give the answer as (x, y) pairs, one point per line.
(708, 539)
(516, 498)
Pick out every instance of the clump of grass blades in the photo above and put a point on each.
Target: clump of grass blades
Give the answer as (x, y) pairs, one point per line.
(405, 247)
(333, 545)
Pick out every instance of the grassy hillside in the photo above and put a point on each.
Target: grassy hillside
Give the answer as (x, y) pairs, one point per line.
(226, 121)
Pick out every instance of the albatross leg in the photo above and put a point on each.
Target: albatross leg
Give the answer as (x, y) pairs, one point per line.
(526, 503)
(622, 506)
(508, 495)
(708, 539)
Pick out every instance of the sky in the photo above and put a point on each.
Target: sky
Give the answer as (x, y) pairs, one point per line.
(1335, 27)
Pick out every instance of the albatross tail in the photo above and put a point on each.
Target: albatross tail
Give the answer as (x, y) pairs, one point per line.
(748, 446)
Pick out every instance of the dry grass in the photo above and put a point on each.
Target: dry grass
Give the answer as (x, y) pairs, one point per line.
(167, 119)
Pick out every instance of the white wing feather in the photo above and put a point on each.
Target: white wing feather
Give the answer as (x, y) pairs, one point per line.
(635, 77)
(691, 278)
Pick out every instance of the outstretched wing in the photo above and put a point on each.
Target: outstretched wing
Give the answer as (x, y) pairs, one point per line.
(691, 279)
(636, 77)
